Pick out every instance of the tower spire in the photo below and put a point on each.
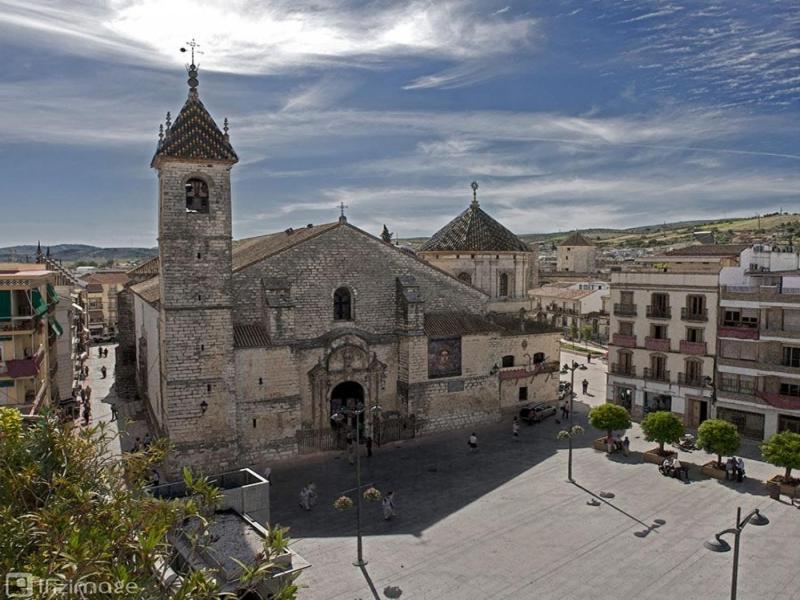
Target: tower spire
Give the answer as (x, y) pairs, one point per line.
(192, 70)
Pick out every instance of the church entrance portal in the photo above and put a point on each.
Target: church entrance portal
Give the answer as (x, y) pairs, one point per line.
(347, 395)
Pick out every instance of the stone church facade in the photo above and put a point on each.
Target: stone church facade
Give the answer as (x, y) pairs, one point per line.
(242, 350)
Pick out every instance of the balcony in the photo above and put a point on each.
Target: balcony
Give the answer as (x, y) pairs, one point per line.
(19, 324)
(657, 375)
(740, 332)
(625, 310)
(779, 332)
(621, 339)
(764, 293)
(622, 369)
(657, 344)
(694, 315)
(658, 312)
(780, 401)
(691, 379)
(687, 347)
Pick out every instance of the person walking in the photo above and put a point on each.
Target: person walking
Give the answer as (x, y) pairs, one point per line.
(114, 414)
(388, 505)
(88, 389)
(104, 371)
(739, 469)
(565, 410)
(730, 469)
(473, 441)
(305, 503)
(312, 493)
(105, 352)
(99, 352)
(585, 384)
(588, 357)
(515, 429)
(83, 396)
(626, 446)
(87, 414)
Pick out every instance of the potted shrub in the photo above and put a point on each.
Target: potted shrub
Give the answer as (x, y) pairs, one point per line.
(662, 427)
(783, 450)
(276, 546)
(608, 418)
(719, 437)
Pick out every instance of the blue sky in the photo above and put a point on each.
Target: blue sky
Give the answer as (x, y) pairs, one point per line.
(592, 113)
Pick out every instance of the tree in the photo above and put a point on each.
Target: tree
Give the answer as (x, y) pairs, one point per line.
(586, 332)
(662, 427)
(73, 512)
(609, 417)
(386, 236)
(783, 450)
(718, 437)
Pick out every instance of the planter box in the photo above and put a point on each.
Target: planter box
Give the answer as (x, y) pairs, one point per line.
(791, 490)
(600, 444)
(655, 457)
(712, 470)
(283, 560)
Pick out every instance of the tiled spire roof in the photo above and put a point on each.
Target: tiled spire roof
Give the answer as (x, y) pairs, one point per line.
(576, 239)
(194, 135)
(474, 231)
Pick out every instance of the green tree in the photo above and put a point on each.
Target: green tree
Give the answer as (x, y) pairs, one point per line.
(609, 417)
(718, 437)
(71, 511)
(586, 332)
(662, 427)
(783, 450)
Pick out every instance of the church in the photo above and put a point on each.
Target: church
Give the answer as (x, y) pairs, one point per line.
(253, 350)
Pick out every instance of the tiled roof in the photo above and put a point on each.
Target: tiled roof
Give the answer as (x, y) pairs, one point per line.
(443, 324)
(250, 336)
(194, 135)
(708, 250)
(576, 239)
(474, 231)
(146, 267)
(113, 277)
(149, 290)
(252, 250)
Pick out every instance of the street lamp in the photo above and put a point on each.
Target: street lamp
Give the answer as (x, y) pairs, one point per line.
(720, 545)
(564, 370)
(338, 417)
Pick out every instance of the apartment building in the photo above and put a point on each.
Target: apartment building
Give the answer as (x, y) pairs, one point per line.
(574, 307)
(758, 364)
(28, 336)
(102, 288)
(663, 332)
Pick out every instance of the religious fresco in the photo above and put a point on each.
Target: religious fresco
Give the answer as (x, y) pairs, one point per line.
(444, 357)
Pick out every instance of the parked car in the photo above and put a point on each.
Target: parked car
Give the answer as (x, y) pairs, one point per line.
(536, 413)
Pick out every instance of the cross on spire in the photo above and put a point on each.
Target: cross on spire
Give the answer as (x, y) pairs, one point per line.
(191, 45)
(192, 69)
(474, 186)
(342, 206)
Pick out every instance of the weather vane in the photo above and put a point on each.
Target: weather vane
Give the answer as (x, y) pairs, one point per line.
(191, 45)
(474, 186)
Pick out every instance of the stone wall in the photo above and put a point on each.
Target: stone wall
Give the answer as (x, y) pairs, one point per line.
(484, 269)
(125, 362)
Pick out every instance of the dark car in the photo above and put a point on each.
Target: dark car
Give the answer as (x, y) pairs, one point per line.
(537, 412)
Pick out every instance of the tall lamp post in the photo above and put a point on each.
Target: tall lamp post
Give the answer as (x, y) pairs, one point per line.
(720, 545)
(567, 368)
(340, 416)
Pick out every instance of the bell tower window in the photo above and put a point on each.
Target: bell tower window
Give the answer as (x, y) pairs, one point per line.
(196, 196)
(342, 305)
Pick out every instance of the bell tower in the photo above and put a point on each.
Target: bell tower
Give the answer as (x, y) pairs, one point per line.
(193, 161)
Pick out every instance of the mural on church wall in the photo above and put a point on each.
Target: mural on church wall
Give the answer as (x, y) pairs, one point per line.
(444, 357)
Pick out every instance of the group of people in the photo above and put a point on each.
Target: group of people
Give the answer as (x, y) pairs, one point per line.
(351, 447)
(85, 394)
(102, 352)
(672, 467)
(616, 444)
(734, 469)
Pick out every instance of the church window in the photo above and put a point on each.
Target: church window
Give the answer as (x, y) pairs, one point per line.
(196, 196)
(208, 387)
(523, 393)
(504, 284)
(254, 423)
(342, 305)
(508, 360)
(465, 277)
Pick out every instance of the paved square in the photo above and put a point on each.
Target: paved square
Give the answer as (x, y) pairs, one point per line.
(504, 523)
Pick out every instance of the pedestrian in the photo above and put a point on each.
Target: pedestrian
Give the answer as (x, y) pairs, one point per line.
(730, 469)
(104, 371)
(305, 503)
(155, 478)
(99, 352)
(88, 392)
(312, 493)
(148, 439)
(114, 414)
(105, 352)
(369, 446)
(86, 371)
(515, 429)
(83, 396)
(585, 384)
(388, 505)
(473, 441)
(739, 469)
(588, 357)
(626, 446)
(351, 449)
(87, 414)
(565, 410)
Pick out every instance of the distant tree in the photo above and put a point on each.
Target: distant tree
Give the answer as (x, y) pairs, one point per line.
(719, 437)
(586, 332)
(573, 331)
(663, 427)
(783, 450)
(609, 417)
(109, 262)
(386, 236)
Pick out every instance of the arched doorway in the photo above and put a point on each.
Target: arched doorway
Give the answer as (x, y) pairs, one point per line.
(348, 394)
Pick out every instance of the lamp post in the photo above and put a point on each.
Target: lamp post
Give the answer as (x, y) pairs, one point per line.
(339, 417)
(564, 370)
(720, 545)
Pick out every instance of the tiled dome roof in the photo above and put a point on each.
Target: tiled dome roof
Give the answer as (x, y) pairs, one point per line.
(474, 231)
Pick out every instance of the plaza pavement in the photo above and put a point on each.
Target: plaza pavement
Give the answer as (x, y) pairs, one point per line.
(504, 523)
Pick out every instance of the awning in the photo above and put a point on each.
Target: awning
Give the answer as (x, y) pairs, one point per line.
(56, 326)
(39, 305)
(26, 367)
(52, 294)
(77, 307)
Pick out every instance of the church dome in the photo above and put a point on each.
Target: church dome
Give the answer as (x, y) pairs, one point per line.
(474, 231)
